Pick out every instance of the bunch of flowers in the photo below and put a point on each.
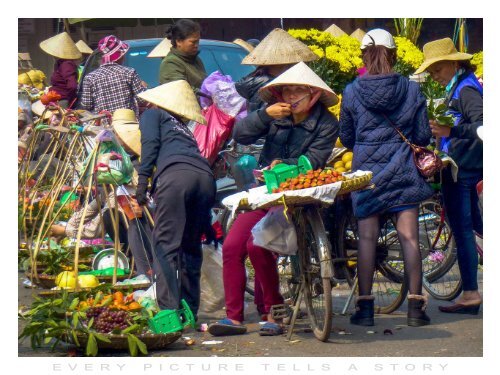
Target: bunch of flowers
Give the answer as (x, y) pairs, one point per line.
(335, 110)
(339, 57)
(477, 61)
(409, 56)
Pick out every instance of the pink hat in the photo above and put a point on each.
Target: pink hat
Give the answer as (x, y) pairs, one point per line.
(112, 49)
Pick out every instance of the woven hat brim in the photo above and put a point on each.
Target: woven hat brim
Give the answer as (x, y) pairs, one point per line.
(176, 97)
(279, 48)
(38, 108)
(129, 135)
(327, 98)
(245, 45)
(301, 74)
(62, 47)
(83, 47)
(162, 49)
(457, 56)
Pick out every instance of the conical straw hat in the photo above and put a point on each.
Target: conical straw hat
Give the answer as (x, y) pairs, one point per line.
(176, 97)
(244, 44)
(61, 46)
(358, 34)
(279, 48)
(335, 30)
(162, 49)
(83, 47)
(127, 130)
(440, 50)
(300, 74)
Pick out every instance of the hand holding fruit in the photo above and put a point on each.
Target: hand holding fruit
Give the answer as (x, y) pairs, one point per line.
(279, 110)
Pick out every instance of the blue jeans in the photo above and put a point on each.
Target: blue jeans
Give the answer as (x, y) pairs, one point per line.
(462, 209)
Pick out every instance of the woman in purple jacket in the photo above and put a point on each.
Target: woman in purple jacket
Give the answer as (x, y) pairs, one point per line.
(64, 79)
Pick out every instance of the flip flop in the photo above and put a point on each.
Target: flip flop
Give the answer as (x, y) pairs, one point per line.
(226, 327)
(271, 329)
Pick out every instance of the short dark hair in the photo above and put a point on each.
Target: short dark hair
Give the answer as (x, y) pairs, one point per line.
(379, 59)
(466, 64)
(181, 30)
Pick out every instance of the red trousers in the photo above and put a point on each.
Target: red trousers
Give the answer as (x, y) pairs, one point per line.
(237, 246)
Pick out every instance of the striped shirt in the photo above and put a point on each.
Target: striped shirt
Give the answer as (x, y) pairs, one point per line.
(111, 87)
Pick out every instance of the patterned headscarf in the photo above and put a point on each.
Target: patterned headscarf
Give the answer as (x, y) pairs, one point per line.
(112, 49)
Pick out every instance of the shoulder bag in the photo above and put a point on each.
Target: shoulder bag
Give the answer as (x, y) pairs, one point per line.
(426, 161)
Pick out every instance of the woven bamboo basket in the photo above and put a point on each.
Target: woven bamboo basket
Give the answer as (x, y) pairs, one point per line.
(354, 184)
(49, 281)
(44, 281)
(347, 186)
(119, 342)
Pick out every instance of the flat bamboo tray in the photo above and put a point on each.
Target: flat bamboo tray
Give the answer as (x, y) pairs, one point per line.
(347, 186)
(120, 342)
(53, 293)
(49, 281)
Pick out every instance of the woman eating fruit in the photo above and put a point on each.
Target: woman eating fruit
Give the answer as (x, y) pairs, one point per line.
(298, 123)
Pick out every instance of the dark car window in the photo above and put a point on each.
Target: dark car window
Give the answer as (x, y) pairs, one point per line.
(148, 68)
(226, 59)
(208, 60)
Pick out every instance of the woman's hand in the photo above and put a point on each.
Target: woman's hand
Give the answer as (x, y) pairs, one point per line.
(275, 162)
(279, 110)
(439, 130)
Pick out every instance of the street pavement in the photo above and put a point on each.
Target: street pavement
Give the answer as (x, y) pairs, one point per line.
(449, 335)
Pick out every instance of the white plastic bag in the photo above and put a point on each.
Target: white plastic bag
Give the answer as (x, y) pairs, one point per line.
(212, 286)
(274, 232)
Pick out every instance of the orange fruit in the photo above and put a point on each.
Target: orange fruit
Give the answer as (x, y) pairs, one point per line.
(118, 296)
(133, 306)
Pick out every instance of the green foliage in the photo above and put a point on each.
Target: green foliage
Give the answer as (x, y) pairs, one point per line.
(408, 28)
(432, 89)
(339, 57)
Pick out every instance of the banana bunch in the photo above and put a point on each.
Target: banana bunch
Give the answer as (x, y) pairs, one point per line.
(33, 77)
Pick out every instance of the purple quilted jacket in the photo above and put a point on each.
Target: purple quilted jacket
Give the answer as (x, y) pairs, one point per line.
(376, 144)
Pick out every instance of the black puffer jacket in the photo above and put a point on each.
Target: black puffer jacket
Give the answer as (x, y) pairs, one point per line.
(313, 137)
(248, 87)
(376, 144)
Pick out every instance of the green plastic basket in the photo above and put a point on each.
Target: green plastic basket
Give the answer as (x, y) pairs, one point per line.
(168, 321)
(281, 172)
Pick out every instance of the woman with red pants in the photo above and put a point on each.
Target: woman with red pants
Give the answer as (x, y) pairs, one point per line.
(296, 122)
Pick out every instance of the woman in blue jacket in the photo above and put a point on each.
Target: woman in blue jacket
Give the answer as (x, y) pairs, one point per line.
(453, 70)
(369, 105)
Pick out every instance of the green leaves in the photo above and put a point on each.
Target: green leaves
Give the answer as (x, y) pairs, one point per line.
(135, 344)
(438, 113)
(91, 349)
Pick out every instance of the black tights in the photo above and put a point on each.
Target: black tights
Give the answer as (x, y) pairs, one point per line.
(407, 227)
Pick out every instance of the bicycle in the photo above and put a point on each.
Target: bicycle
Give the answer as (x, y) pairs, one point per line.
(389, 287)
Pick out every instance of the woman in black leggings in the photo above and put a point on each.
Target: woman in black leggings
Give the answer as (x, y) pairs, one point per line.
(371, 107)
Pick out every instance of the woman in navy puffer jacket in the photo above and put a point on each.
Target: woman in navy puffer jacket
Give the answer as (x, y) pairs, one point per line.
(377, 147)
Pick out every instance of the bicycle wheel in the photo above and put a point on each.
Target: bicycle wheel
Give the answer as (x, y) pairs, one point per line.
(441, 276)
(389, 283)
(344, 239)
(314, 254)
(288, 270)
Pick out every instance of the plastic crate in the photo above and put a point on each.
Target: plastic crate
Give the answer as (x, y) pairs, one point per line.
(168, 321)
(281, 172)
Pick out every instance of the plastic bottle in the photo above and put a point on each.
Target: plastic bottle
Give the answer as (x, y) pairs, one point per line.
(243, 172)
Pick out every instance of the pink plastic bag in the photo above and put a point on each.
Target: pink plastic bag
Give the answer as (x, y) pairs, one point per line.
(211, 137)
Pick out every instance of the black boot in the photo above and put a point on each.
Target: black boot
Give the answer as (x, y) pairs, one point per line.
(364, 311)
(416, 311)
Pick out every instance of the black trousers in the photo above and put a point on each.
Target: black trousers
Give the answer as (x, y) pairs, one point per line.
(141, 242)
(184, 196)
